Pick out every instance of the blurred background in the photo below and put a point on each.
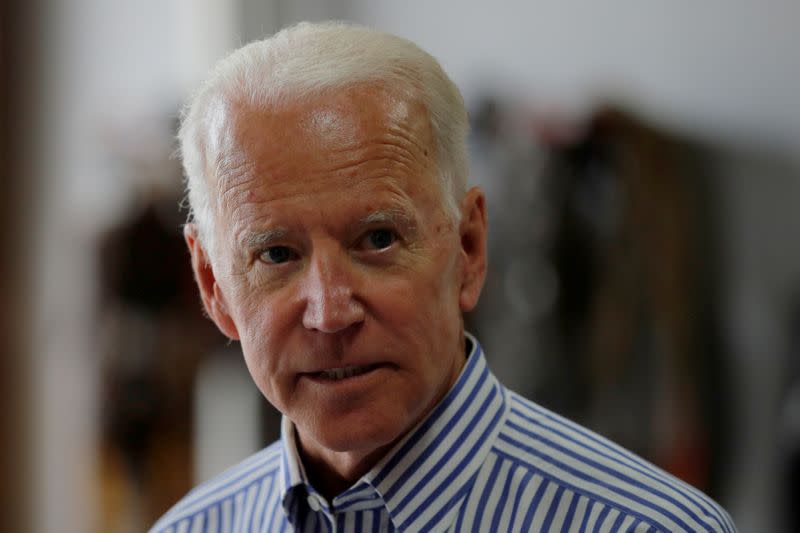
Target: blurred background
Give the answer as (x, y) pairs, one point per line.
(642, 172)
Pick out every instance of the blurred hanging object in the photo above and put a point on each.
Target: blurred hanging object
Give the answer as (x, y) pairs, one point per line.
(601, 296)
(639, 283)
(153, 339)
(521, 285)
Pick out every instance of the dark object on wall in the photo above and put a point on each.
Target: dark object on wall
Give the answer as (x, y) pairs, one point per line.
(602, 297)
(154, 338)
(639, 286)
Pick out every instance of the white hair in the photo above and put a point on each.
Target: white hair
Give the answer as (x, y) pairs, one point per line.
(300, 62)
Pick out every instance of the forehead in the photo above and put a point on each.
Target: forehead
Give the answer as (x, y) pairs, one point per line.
(336, 119)
(361, 137)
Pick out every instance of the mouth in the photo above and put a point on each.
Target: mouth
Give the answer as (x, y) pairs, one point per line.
(342, 373)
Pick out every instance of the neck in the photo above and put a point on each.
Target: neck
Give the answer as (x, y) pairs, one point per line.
(333, 472)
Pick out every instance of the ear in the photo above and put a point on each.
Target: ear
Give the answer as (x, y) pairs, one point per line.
(210, 292)
(472, 230)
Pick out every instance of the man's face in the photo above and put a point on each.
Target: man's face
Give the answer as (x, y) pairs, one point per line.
(336, 265)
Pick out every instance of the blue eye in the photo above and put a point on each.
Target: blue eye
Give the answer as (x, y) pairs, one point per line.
(381, 238)
(277, 254)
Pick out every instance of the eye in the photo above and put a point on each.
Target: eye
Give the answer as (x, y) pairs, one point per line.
(380, 239)
(277, 255)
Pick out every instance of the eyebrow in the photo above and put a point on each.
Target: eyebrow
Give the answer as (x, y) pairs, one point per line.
(393, 216)
(264, 238)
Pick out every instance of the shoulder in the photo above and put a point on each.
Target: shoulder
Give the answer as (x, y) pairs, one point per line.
(231, 484)
(603, 475)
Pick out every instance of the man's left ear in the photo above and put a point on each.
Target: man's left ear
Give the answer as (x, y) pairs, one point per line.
(472, 230)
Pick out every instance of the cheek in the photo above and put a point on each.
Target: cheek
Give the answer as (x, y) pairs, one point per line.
(257, 312)
(260, 330)
(422, 307)
(262, 354)
(443, 284)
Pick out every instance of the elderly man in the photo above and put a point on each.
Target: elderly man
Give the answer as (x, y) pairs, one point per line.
(334, 237)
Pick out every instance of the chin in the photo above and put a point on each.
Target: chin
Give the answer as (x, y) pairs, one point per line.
(357, 435)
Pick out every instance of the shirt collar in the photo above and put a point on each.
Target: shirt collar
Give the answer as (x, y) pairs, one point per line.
(427, 475)
(292, 473)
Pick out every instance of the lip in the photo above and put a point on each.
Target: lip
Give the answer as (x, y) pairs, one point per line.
(369, 372)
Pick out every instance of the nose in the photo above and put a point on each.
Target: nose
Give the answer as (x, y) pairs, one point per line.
(331, 305)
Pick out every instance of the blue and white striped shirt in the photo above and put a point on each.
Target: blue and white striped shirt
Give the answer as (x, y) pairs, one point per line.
(485, 459)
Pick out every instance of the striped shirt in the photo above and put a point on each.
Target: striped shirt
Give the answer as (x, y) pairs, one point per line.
(485, 459)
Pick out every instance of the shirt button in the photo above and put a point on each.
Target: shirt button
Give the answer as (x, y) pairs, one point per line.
(314, 503)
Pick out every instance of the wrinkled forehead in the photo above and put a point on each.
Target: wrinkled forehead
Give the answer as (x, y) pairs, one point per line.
(327, 122)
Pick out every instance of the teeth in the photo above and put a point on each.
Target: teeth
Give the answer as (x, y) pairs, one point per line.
(346, 372)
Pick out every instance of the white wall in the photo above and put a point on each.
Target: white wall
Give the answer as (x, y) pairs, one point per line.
(729, 69)
(111, 71)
